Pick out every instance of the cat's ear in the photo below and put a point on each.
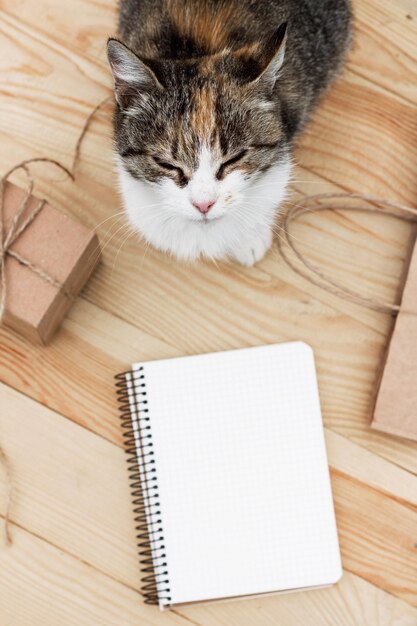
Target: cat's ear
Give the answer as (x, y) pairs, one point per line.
(132, 77)
(271, 58)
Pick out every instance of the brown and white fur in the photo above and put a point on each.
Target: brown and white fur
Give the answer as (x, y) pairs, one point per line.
(210, 95)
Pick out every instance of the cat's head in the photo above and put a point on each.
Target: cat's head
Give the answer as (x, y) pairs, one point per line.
(206, 134)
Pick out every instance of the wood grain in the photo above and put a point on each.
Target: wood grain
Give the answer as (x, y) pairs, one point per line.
(74, 560)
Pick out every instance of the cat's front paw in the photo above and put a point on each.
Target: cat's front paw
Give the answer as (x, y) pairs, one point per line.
(254, 250)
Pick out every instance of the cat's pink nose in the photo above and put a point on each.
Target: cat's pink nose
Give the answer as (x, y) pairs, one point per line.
(204, 207)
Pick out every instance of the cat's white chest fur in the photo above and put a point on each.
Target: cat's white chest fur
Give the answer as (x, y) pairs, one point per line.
(238, 225)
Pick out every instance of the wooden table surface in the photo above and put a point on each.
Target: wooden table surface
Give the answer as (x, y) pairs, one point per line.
(73, 560)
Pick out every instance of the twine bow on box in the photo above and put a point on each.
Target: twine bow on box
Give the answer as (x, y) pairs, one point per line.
(18, 226)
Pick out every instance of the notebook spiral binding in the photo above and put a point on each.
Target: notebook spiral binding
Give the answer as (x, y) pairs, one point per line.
(138, 444)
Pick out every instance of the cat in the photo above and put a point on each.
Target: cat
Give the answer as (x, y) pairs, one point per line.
(210, 95)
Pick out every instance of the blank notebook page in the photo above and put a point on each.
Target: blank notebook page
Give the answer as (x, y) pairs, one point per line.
(242, 474)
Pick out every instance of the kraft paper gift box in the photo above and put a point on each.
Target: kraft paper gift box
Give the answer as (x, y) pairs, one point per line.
(395, 409)
(57, 256)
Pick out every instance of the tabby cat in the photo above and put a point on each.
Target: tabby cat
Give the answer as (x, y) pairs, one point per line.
(210, 95)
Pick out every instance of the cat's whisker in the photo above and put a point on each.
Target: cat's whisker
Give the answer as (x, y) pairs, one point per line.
(213, 260)
(275, 227)
(265, 185)
(248, 229)
(276, 183)
(114, 235)
(109, 218)
(131, 231)
(268, 183)
(118, 218)
(313, 182)
(110, 231)
(301, 206)
(145, 252)
(102, 245)
(108, 239)
(247, 222)
(278, 234)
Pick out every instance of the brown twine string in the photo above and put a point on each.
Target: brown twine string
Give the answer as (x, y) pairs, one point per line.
(16, 228)
(316, 276)
(84, 130)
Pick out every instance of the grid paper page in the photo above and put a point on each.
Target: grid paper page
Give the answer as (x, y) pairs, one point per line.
(241, 468)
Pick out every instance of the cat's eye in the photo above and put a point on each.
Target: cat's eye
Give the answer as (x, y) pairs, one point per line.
(230, 162)
(165, 165)
(169, 167)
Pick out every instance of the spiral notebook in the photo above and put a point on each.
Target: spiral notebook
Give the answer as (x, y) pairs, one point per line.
(229, 474)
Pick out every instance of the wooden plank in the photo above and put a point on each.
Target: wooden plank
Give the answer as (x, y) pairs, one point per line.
(40, 584)
(377, 536)
(353, 602)
(360, 464)
(75, 374)
(385, 51)
(372, 124)
(72, 490)
(71, 487)
(85, 29)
